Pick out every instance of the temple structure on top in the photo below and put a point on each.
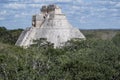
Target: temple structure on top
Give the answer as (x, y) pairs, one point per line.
(51, 24)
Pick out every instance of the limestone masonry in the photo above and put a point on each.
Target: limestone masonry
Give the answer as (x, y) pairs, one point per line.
(51, 24)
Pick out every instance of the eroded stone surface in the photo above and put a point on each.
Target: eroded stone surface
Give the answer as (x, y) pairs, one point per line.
(51, 24)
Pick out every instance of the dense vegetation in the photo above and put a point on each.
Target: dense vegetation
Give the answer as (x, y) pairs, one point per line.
(9, 36)
(92, 59)
(104, 34)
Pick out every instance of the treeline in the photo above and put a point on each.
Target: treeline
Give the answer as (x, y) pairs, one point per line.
(9, 36)
(91, 59)
(104, 34)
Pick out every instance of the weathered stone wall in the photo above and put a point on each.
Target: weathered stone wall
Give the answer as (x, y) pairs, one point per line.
(54, 27)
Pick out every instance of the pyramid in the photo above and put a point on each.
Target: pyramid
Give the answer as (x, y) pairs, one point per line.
(50, 24)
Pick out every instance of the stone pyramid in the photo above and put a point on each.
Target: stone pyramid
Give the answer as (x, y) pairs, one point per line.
(51, 24)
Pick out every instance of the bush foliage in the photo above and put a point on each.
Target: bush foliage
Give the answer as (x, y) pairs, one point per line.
(9, 36)
(91, 59)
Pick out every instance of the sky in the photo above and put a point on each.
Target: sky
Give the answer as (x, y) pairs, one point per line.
(83, 14)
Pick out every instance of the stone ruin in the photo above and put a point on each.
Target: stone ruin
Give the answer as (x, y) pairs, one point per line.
(50, 24)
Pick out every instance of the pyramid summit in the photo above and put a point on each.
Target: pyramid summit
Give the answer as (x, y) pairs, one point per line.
(50, 24)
